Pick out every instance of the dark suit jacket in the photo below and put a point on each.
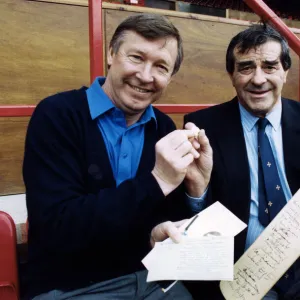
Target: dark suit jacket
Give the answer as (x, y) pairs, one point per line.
(230, 181)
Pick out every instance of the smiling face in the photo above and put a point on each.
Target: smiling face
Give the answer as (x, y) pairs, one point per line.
(258, 77)
(139, 73)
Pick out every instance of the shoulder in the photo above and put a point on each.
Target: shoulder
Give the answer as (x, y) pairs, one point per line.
(291, 104)
(64, 111)
(68, 100)
(216, 113)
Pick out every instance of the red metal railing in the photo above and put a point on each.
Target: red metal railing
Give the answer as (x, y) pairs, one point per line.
(97, 55)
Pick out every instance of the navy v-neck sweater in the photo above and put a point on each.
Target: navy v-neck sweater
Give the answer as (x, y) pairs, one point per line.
(82, 229)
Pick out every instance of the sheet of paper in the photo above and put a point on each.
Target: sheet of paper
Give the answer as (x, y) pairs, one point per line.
(268, 258)
(204, 258)
(214, 220)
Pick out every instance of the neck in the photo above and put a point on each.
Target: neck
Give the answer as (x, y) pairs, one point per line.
(131, 119)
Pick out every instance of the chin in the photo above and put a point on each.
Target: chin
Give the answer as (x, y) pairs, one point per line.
(259, 111)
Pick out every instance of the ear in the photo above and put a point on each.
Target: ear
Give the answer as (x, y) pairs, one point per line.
(231, 78)
(110, 56)
(285, 76)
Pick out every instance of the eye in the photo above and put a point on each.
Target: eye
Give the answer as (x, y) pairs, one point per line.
(246, 70)
(163, 68)
(136, 58)
(270, 69)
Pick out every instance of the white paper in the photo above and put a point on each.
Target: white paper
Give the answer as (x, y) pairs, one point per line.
(269, 257)
(204, 258)
(216, 219)
(207, 235)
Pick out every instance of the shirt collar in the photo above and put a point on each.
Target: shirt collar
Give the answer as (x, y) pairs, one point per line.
(99, 103)
(274, 117)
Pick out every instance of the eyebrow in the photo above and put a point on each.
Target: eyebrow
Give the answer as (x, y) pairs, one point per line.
(271, 62)
(144, 53)
(245, 63)
(242, 64)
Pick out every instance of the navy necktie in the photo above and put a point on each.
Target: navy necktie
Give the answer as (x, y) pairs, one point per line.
(271, 198)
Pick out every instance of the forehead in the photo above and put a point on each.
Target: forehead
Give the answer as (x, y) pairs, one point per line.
(164, 48)
(269, 51)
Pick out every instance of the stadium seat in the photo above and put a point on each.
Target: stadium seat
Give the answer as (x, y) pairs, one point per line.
(9, 283)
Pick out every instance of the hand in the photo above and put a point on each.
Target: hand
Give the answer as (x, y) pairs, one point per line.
(167, 229)
(199, 171)
(174, 153)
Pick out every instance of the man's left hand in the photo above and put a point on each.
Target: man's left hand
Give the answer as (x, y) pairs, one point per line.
(199, 171)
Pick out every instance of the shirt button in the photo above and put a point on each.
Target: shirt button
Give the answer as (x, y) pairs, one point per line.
(124, 155)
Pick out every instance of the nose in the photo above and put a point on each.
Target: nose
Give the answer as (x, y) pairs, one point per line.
(259, 77)
(145, 74)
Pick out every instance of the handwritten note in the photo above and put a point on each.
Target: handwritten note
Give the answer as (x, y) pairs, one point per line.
(203, 258)
(268, 258)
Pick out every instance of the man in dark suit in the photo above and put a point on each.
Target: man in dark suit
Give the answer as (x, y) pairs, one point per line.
(257, 62)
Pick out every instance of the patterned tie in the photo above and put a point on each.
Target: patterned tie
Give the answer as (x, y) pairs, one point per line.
(271, 196)
(270, 193)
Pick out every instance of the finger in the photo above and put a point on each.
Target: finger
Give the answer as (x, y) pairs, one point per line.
(204, 142)
(178, 224)
(186, 148)
(164, 230)
(193, 127)
(191, 133)
(186, 161)
(195, 143)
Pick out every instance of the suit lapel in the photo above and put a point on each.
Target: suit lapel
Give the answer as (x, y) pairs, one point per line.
(291, 144)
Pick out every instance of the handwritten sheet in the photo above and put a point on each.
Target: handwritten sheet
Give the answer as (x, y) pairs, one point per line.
(268, 258)
(204, 258)
(205, 254)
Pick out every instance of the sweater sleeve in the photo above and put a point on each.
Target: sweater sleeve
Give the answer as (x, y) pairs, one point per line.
(63, 216)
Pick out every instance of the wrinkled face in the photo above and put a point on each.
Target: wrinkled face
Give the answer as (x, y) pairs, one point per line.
(258, 77)
(139, 72)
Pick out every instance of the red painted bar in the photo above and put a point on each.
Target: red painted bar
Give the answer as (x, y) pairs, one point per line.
(16, 110)
(27, 110)
(96, 39)
(181, 108)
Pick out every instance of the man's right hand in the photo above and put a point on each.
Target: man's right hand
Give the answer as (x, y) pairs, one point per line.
(166, 230)
(174, 153)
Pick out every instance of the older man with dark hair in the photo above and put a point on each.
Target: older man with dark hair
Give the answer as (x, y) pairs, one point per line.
(102, 167)
(256, 142)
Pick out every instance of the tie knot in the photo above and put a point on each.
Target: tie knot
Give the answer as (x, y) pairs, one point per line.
(262, 123)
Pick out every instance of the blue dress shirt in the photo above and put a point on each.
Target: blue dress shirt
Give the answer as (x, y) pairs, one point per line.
(124, 144)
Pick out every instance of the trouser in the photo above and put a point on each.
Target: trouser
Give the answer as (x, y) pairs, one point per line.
(128, 287)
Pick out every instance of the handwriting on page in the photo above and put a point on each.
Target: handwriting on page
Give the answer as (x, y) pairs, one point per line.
(262, 265)
(203, 258)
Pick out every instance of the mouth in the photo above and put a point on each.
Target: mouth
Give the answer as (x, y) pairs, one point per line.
(258, 93)
(140, 90)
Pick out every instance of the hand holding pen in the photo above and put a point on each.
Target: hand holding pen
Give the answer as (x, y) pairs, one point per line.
(170, 230)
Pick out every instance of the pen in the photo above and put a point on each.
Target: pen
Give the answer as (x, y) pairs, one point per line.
(189, 225)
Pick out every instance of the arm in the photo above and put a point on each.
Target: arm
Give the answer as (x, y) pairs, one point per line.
(62, 214)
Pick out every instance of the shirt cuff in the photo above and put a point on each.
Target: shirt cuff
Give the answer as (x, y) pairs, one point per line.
(196, 204)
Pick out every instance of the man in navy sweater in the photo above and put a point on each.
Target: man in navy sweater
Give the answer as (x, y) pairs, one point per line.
(102, 167)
